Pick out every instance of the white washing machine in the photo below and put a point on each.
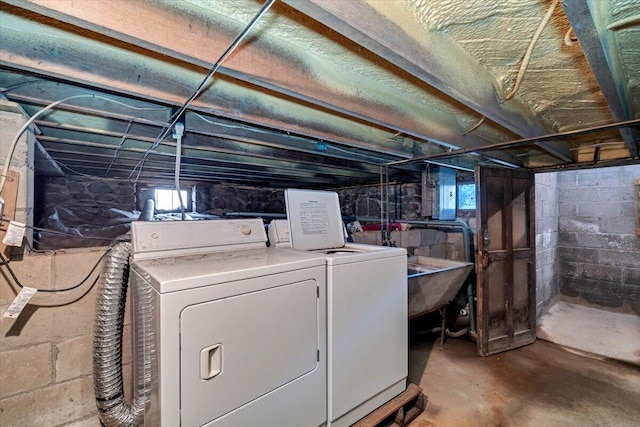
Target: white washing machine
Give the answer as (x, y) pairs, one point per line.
(239, 328)
(367, 323)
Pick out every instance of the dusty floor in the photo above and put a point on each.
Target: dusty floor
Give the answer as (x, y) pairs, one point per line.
(602, 333)
(537, 385)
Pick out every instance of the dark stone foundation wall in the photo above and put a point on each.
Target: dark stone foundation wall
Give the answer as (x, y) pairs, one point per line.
(364, 202)
(218, 199)
(93, 211)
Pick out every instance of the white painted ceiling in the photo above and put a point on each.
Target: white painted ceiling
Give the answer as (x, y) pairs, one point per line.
(324, 93)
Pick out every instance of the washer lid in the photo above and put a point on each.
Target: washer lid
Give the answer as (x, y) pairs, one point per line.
(315, 221)
(354, 252)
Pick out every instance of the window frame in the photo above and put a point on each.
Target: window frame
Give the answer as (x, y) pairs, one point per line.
(459, 193)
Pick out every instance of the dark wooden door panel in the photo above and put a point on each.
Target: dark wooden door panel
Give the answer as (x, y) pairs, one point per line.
(505, 259)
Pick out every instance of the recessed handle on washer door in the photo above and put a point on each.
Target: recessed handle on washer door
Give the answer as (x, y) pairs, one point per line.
(210, 361)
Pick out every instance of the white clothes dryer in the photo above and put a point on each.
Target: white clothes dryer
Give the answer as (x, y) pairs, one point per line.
(367, 321)
(239, 328)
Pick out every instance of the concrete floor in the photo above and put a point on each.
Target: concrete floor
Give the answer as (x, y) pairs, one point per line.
(537, 385)
(597, 332)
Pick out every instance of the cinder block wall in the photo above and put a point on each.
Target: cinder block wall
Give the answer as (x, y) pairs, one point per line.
(547, 277)
(46, 354)
(598, 249)
(426, 242)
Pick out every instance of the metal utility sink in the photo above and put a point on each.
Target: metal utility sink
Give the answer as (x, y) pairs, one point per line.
(433, 282)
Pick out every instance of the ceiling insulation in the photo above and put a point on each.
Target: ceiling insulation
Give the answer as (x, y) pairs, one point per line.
(322, 93)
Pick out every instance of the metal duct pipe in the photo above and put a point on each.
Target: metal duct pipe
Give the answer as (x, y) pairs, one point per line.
(107, 345)
(148, 211)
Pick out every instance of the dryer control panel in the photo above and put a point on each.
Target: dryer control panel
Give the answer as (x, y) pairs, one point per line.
(158, 238)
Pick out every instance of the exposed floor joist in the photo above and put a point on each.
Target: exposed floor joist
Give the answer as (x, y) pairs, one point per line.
(462, 79)
(282, 77)
(596, 44)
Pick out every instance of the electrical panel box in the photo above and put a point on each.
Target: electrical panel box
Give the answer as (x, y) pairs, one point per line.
(447, 194)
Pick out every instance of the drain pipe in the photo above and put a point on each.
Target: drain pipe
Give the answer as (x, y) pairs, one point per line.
(107, 345)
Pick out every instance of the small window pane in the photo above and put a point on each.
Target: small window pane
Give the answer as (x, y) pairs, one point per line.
(167, 200)
(467, 196)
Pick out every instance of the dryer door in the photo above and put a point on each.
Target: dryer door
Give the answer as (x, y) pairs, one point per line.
(237, 349)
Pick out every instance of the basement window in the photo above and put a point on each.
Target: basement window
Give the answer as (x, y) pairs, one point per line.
(167, 200)
(466, 196)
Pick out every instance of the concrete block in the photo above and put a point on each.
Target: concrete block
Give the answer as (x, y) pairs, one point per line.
(603, 177)
(93, 421)
(598, 210)
(628, 209)
(578, 255)
(455, 252)
(52, 405)
(422, 250)
(74, 358)
(618, 258)
(43, 324)
(546, 257)
(550, 272)
(32, 270)
(546, 193)
(579, 194)
(366, 237)
(617, 225)
(591, 225)
(549, 208)
(70, 266)
(622, 193)
(439, 250)
(618, 242)
(542, 179)
(546, 225)
(432, 236)
(567, 238)
(631, 276)
(24, 369)
(591, 271)
(567, 210)
(602, 293)
(411, 238)
(456, 238)
(567, 178)
(546, 241)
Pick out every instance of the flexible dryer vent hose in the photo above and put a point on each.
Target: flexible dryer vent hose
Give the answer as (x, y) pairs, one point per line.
(107, 345)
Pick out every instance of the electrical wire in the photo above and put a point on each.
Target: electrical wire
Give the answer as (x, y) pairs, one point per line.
(179, 131)
(474, 127)
(5, 263)
(12, 147)
(115, 154)
(176, 116)
(527, 55)
(266, 132)
(62, 233)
